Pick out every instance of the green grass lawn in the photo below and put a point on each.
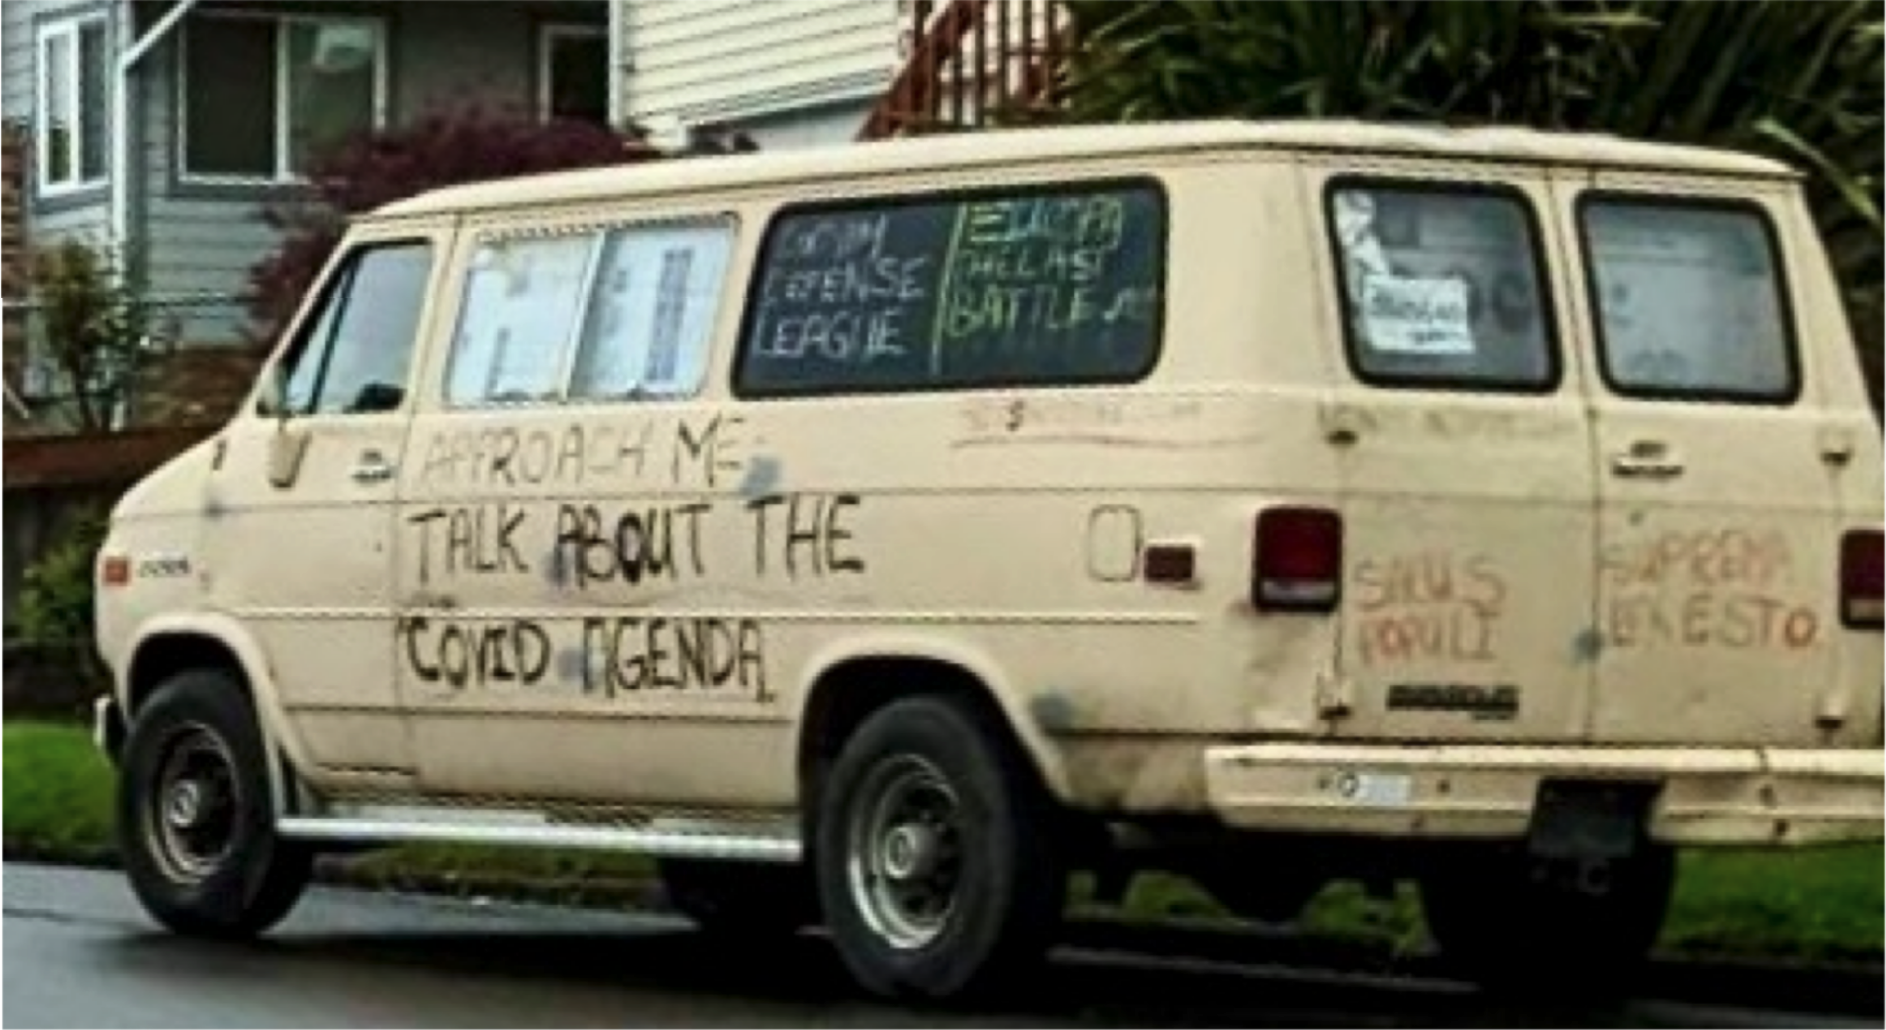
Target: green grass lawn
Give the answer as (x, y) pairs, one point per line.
(1815, 903)
(58, 791)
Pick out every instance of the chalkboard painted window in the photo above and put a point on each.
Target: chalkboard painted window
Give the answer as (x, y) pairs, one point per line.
(1689, 300)
(1441, 287)
(1058, 286)
(650, 317)
(523, 298)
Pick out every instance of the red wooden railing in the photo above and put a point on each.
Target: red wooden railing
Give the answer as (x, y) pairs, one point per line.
(968, 63)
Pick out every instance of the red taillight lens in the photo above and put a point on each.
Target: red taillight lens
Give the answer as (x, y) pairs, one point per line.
(1861, 601)
(1298, 564)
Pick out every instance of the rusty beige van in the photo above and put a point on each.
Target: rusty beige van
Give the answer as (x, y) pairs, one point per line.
(877, 536)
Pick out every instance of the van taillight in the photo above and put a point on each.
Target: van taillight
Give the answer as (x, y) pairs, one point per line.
(1860, 587)
(1298, 562)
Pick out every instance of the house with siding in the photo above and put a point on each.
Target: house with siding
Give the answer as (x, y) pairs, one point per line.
(168, 125)
(794, 73)
(788, 73)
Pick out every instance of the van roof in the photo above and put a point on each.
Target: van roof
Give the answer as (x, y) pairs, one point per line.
(1067, 143)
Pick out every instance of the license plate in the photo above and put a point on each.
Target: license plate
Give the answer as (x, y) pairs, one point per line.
(1589, 820)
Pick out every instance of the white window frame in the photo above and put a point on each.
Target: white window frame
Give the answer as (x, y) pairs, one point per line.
(283, 173)
(547, 36)
(72, 28)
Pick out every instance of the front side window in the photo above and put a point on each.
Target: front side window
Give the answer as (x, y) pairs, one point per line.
(262, 96)
(70, 121)
(573, 73)
(353, 358)
(621, 314)
(1058, 286)
(1441, 287)
(1688, 300)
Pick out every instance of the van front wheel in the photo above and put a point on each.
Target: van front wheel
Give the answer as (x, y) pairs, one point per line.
(1505, 918)
(195, 827)
(937, 869)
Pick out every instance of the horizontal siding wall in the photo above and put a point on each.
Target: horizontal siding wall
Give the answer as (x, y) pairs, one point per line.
(16, 58)
(731, 60)
(199, 244)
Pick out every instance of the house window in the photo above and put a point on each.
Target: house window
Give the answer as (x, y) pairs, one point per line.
(261, 96)
(573, 73)
(70, 124)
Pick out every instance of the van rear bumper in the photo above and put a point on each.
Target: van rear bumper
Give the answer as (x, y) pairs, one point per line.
(1707, 796)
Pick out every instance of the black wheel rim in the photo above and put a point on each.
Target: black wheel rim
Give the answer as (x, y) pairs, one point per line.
(904, 851)
(191, 810)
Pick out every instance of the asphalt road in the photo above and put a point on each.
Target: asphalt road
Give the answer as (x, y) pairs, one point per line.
(79, 953)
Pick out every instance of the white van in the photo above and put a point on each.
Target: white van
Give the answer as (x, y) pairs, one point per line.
(875, 536)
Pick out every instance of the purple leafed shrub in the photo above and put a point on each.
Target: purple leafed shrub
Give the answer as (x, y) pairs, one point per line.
(444, 148)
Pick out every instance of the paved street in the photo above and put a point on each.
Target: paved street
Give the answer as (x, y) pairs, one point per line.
(80, 953)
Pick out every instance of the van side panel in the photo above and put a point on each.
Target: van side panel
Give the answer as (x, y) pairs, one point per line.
(621, 549)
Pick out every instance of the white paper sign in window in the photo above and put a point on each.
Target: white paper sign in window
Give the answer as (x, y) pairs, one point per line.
(650, 321)
(522, 302)
(1417, 316)
(1442, 286)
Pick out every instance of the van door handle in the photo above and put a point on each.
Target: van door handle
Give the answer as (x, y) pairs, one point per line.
(373, 468)
(1646, 459)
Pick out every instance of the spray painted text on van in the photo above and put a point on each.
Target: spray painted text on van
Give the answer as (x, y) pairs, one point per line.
(1717, 587)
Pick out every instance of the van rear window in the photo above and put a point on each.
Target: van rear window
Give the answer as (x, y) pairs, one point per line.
(1441, 286)
(1062, 286)
(1689, 299)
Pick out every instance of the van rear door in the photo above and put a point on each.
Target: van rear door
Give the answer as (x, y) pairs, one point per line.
(1719, 513)
(1464, 454)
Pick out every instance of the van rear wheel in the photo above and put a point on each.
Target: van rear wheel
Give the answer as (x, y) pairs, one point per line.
(194, 824)
(938, 872)
(1505, 918)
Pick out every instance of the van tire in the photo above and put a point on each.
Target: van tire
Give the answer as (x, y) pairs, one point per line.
(195, 826)
(1499, 923)
(930, 786)
(740, 898)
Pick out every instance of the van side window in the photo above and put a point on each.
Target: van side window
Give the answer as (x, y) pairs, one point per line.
(354, 358)
(1063, 285)
(617, 314)
(1441, 286)
(1689, 299)
(523, 298)
(651, 313)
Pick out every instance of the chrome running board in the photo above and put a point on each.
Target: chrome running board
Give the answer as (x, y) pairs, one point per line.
(773, 840)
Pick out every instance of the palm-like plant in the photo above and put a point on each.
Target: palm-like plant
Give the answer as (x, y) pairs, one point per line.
(1796, 81)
